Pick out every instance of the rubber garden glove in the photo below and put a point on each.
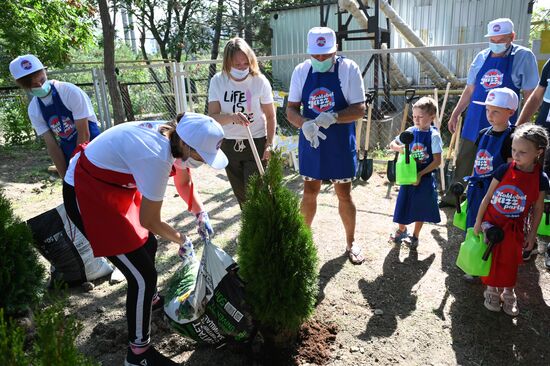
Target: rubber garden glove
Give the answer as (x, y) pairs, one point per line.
(204, 228)
(326, 119)
(187, 252)
(312, 134)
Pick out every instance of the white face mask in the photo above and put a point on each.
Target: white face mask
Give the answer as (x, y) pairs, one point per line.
(191, 163)
(239, 74)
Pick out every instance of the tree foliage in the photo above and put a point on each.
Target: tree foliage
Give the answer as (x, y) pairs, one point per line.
(21, 273)
(277, 256)
(50, 29)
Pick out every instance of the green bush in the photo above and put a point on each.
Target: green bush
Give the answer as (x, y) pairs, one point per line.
(21, 273)
(55, 338)
(277, 256)
(54, 342)
(15, 126)
(12, 343)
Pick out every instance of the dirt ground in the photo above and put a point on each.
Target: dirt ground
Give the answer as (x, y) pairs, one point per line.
(400, 307)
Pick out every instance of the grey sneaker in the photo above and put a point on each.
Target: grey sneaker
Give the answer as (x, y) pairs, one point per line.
(510, 303)
(492, 300)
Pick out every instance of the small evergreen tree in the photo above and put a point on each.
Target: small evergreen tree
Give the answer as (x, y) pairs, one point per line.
(54, 343)
(21, 273)
(277, 256)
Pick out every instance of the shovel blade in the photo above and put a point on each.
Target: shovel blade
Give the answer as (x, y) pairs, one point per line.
(390, 171)
(367, 171)
(360, 168)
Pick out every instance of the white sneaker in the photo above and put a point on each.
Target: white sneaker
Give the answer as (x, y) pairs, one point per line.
(116, 277)
(510, 303)
(492, 300)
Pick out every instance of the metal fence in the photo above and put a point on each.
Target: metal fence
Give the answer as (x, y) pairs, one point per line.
(388, 108)
(159, 91)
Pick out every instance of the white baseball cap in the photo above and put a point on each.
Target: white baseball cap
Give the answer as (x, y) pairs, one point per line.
(499, 27)
(321, 41)
(25, 65)
(205, 136)
(501, 97)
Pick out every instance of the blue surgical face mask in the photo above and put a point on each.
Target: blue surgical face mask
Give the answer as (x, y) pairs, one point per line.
(42, 91)
(191, 163)
(321, 66)
(497, 47)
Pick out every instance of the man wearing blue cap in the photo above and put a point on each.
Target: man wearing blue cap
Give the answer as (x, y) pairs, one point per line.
(502, 64)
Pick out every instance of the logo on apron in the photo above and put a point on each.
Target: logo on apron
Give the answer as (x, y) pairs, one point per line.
(321, 100)
(64, 131)
(419, 152)
(509, 200)
(484, 162)
(492, 79)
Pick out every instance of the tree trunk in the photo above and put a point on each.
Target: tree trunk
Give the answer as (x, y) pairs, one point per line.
(215, 46)
(109, 60)
(248, 33)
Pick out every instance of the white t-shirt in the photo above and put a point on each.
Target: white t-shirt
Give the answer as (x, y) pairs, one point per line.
(245, 96)
(349, 74)
(136, 148)
(74, 99)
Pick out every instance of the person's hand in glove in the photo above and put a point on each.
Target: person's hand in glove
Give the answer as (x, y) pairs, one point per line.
(326, 119)
(203, 225)
(312, 134)
(186, 251)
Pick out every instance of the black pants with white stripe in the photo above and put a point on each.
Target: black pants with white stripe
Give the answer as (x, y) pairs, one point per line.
(141, 275)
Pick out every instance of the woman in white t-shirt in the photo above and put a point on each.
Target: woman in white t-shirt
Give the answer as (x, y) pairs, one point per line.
(113, 192)
(58, 110)
(241, 96)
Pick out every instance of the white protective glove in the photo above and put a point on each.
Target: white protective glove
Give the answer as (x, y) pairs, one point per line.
(186, 252)
(326, 119)
(204, 228)
(312, 134)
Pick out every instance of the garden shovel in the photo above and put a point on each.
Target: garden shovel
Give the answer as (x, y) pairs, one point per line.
(450, 160)
(390, 168)
(249, 134)
(494, 236)
(366, 170)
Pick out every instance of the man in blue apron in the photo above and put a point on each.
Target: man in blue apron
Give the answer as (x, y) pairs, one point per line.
(502, 64)
(58, 110)
(330, 90)
(540, 99)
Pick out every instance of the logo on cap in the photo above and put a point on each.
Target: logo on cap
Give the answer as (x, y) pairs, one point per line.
(496, 28)
(321, 41)
(492, 79)
(490, 97)
(321, 100)
(26, 64)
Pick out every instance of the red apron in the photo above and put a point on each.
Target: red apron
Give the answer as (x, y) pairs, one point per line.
(109, 204)
(508, 209)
